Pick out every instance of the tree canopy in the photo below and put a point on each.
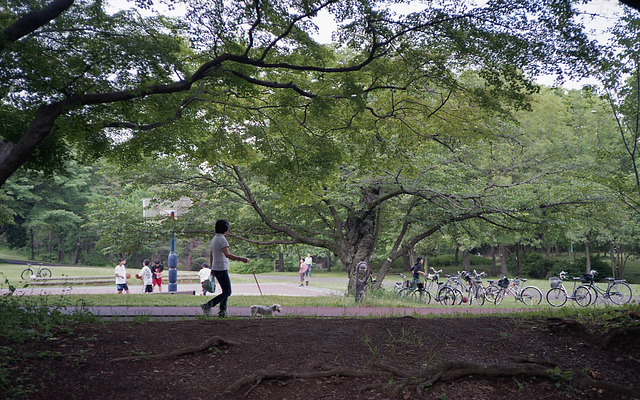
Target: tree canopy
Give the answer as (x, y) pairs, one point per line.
(74, 74)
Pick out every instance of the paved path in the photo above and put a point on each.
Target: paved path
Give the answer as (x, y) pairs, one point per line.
(287, 286)
(239, 289)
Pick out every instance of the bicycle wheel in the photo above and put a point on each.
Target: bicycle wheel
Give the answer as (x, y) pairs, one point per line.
(459, 296)
(421, 296)
(531, 296)
(556, 297)
(446, 296)
(619, 293)
(582, 296)
(404, 293)
(45, 273)
(500, 295)
(490, 293)
(478, 295)
(593, 292)
(26, 274)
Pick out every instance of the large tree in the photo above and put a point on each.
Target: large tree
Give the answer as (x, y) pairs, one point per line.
(71, 73)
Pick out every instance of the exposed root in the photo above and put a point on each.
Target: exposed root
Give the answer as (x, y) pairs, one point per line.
(615, 335)
(212, 341)
(259, 376)
(448, 371)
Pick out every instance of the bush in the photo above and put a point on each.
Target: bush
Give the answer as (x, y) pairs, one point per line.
(597, 264)
(580, 266)
(535, 266)
(259, 266)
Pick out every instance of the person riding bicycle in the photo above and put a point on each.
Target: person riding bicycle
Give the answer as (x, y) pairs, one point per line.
(417, 270)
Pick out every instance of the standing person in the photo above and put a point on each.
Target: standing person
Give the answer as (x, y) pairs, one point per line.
(157, 274)
(302, 271)
(219, 257)
(308, 261)
(204, 274)
(145, 274)
(121, 276)
(417, 270)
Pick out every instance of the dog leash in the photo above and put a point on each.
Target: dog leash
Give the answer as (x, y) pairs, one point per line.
(256, 278)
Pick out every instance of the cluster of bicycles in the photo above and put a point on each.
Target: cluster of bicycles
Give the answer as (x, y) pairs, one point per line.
(466, 287)
(585, 291)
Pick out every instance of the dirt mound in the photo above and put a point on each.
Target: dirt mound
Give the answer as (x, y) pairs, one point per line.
(314, 358)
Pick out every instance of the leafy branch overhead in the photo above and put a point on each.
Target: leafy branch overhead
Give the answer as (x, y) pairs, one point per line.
(74, 73)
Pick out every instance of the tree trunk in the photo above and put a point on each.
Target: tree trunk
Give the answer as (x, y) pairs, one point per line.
(503, 259)
(587, 246)
(60, 247)
(279, 263)
(33, 250)
(612, 259)
(359, 243)
(456, 261)
(492, 254)
(466, 260)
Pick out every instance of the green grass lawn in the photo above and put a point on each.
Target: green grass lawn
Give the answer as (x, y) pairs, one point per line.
(336, 280)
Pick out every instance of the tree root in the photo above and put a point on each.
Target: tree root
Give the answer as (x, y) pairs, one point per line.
(616, 334)
(426, 377)
(257, 377)
(212, 341)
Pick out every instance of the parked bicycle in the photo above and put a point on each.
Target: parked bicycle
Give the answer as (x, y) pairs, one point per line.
(476, 290)
(529, 295)
(618, 291)
(39, 273)
(417, 291)
(558, 295)
(401, 287)
(432, 280)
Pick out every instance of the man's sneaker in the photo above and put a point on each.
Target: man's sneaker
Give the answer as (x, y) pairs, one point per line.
(206, 309)
(222, 314)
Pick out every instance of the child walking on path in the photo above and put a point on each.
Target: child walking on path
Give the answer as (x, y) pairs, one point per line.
(302, 271)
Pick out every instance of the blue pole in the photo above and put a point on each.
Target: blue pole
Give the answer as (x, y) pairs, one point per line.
(173, 263)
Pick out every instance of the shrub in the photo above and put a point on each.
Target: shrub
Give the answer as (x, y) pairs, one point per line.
(258, 265)
(535, 266)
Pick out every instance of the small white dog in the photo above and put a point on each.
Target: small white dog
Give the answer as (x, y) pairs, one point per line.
(265, 310)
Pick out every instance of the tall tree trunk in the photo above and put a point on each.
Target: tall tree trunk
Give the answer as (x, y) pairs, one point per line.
(50, 246)
(327, 261)
(33, 250)
(279, 263)
(456, 261)
(612, 259)
(60, 247)
(587, 252)
(503, 259)
(359, 242)
(466, 260)
(492, 254)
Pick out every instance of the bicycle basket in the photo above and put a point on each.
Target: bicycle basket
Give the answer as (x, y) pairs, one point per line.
(503, 283)
(555, 282)
(586, 278)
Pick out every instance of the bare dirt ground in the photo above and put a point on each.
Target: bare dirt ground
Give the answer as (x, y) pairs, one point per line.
(493, 357)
